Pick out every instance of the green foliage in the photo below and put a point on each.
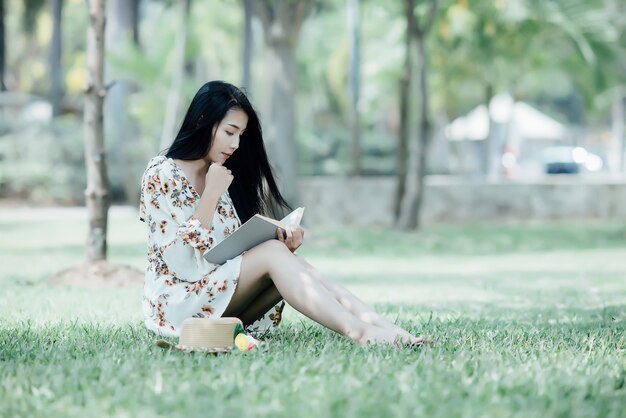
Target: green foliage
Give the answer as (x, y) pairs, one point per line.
(588, 26)
(28, 26)
(43, 163)
(323, 133)
(532, 47)
(31, 10)
(525, 322)
(544, 51)
(150, 67)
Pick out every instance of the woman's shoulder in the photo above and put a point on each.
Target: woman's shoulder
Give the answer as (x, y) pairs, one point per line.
(159, 165)
(157, 161)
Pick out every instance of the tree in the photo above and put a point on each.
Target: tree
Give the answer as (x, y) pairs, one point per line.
(618, 11)
(174, 96)
(413, 197)
(134, 19)
(598, 29)
(56, 66)
(354, 79)
(405, 85)
(247, 45)
(120, 134)
(282, 21)
(97, 192)
(31, 11)
(3, 54)
(483, 43)
(565, 48)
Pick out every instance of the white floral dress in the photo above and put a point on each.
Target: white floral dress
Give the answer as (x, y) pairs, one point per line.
(179, 282)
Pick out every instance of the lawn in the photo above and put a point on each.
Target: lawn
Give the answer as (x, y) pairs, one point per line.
(527, 320)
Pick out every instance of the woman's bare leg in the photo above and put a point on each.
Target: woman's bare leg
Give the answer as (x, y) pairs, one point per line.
(259, 306)
(270, 297)
(273, 261)
(251, 289)
(355, 305)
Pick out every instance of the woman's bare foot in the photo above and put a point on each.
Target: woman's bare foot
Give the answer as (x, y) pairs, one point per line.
(381, 336)
(413, 342)
(406, 336)
(421, 341)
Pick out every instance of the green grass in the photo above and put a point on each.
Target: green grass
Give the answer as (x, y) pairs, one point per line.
(528, 320)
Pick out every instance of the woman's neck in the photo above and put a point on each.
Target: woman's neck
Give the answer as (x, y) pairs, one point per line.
(196, 167)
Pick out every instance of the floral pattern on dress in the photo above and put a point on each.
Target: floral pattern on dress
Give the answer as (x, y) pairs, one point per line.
(179, 282)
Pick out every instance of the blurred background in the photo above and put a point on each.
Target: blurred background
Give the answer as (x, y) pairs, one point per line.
(419, 111)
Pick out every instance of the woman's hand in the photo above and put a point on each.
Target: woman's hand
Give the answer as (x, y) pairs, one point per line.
(292, 236)
(218, 179)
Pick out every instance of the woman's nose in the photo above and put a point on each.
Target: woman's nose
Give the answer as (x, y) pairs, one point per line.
(235, 143)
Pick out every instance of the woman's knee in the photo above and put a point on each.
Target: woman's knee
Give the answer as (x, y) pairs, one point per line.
(268, 252)
(303, 260)
(273, 247)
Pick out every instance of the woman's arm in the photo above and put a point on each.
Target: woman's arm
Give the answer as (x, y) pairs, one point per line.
(206, 208)
(217, 180)
(181, 239)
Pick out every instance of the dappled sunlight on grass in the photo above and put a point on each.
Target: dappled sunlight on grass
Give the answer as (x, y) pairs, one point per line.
(571, 261)
(467, 240)
(49, 304)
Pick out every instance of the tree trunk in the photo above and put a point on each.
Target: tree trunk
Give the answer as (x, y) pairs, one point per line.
(412, 203)
(618, 125)
(281, 24)
(3, 51)
(97, 191)
(354, 81)
(175, 93)
(403, 137)
(282, 116)
(56, 66)
(488, 146)
(121, 136)
(134, 19)
(247, 46)
(403, 141)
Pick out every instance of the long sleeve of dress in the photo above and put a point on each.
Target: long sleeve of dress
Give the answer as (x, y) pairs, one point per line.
(179, 283)
(180, 239)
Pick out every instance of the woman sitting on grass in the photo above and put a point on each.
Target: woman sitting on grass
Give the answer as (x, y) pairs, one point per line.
(214, 177)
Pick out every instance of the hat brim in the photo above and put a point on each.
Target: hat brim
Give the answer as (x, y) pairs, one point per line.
(212, 350)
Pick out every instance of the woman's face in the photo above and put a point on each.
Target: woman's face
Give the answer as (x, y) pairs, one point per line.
(227, 134)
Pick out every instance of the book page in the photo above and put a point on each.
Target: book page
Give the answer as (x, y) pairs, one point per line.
(253, 232)
(294, 217)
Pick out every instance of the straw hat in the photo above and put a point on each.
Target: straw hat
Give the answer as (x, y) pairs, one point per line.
(206, 335)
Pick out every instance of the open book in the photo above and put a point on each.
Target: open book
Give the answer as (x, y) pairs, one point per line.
(253, 232)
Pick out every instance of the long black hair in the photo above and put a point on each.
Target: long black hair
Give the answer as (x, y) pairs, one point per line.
(253, 189)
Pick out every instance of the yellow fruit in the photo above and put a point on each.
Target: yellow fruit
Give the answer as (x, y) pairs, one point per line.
(242, 342)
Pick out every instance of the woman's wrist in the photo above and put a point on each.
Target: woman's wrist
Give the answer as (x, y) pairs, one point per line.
(206, 208)
(210, 194)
